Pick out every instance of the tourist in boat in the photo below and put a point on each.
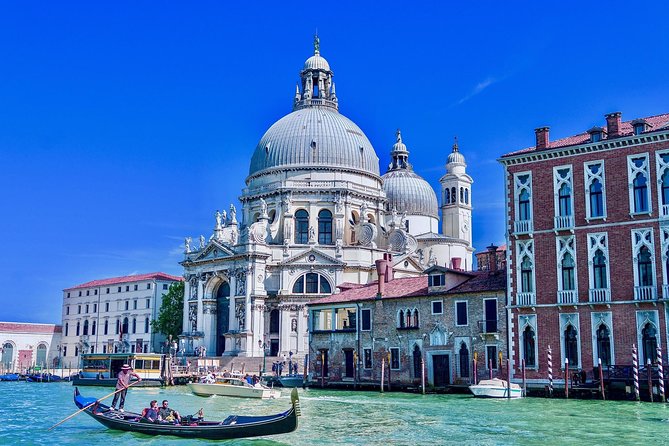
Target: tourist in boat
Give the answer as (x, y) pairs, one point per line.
(150, 414)
(122, 384)
(167, 414)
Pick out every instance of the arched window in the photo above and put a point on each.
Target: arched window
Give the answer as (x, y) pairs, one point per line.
(146, 325)
(640, 193)
(311, 283)
(134, 325)
(528, 347)
(596, 199)
(325, 227)
(599, 270)
(604, 345)
(7, 355)
(85, 327)
(118, 326)
(568, 272)
(408, 316)
(106, 326)
(302, 227)
(464, 360)
(564, 200)
(571, 346)
(665, 187)
(78, 328)
(415, 318)
(447, 197)
(526, 275)
(649, 342)
(466, 196)
(462, 195)
(417, 362)
(524, 205)
(67, 325)
(402, 324)
(645, 267)
(454, 195)
(125, 325)
(40, 359)
(93, 326)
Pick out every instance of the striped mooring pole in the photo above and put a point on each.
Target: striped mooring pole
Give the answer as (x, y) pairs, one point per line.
(550, 371)
(660, 373)
(635, 372)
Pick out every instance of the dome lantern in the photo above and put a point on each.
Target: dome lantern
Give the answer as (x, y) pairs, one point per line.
(317, 84)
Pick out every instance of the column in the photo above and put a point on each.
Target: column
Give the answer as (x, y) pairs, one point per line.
(187, 291)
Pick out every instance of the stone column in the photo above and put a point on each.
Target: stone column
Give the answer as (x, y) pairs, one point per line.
(200, 297)
(186, 326)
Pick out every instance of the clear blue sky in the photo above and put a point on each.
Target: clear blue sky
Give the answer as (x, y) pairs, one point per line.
(125, 125)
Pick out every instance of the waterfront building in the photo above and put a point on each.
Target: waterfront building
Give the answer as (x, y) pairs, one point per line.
(443, 319)
(316, 212)
(484, 258)
(113, 316)
(27, 345)
(587, 226)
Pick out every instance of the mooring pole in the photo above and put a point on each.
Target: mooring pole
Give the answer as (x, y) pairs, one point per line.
(566, 378)
(649, 368)
(601, 379)
(522, 364)
(383, 372)
(422, 373)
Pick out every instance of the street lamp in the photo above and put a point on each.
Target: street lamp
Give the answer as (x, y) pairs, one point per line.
(263, 346)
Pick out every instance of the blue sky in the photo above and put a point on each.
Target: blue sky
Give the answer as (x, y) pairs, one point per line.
(125, 125)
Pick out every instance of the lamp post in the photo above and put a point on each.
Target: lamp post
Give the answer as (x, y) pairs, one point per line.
(263, 346)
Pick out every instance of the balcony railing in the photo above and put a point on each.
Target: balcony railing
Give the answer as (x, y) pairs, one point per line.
(488, 326)
(645, 293)
(563, 222)
(567, 297)
(526, 299)
(600, 295)
(523, 226)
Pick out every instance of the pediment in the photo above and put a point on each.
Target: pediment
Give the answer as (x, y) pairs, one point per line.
(312, 256)
(408, 264)
(213, 250)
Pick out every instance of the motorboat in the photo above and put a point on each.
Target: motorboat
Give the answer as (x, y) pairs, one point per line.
(235, 387)
(291, 380)
(496, 388)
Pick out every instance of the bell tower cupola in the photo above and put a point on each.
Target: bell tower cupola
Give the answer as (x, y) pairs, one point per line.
(316, 81)
(456, 197)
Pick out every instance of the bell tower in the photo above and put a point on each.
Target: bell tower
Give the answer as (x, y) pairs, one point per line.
(456, 198)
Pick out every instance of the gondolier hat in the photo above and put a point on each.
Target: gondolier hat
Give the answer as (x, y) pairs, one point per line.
(126, 367)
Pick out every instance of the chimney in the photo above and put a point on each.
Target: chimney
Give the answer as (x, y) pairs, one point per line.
(492, 257)
(390, 271)
(381, 271)
(542, 137)
(456, 262)
(613, 124)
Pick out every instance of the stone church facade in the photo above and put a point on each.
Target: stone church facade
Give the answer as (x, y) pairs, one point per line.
(315, 213)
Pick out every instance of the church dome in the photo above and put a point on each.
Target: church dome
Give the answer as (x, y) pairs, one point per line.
(314, 137)
(406, 190)
(455, 157)
(316, 62)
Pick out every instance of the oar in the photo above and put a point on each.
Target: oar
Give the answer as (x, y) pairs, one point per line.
(93, 403)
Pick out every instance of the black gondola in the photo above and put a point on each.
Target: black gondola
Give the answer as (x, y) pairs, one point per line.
(234, 426)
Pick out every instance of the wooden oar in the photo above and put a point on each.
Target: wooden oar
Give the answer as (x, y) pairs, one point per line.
(93, 403)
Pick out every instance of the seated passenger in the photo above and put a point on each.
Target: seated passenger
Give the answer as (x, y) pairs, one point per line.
(169, 415)
(150, 414)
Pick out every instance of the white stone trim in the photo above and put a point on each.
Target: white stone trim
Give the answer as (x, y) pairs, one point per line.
(640, 238)
(563, 246)
(632, 171)
(589, 178)
(598, 241)
(432, 306)
(455, 307)
(558, 182)
(642, 318)
(520, 185)
(525, 320)
(524, 248)
(664, 246)
(596, 319)
(661, 167)
(572, 319)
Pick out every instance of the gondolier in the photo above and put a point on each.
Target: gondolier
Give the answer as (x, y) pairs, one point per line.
(122, 384)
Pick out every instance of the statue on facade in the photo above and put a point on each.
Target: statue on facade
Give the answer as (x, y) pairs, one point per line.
(432, 259)
(187, 243)
(233, 214)
(218, 219)
(285, 202)
(202, 242)
(312, 234)
(338, 203)
(263, 208)
(363, 212)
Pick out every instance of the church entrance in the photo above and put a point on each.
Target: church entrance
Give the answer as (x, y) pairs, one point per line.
(223, 316)
(442, 370)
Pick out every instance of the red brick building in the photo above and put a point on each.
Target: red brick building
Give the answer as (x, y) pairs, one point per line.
(587, 226)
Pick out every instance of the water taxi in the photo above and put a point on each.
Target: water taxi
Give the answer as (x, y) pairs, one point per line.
(496, 388)
(236, 387)
(101, 369)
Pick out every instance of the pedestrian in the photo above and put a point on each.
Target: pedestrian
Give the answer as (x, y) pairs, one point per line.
(122, 384)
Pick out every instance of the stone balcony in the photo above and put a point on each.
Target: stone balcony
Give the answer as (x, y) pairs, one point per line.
(567, 297)
(645, 293)
(523, 227)
(526, 299)
(599, 295)
(564, 223)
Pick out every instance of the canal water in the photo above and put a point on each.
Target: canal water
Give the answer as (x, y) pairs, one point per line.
(27, 410)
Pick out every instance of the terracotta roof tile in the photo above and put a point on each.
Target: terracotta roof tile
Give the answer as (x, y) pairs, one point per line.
(126, 279)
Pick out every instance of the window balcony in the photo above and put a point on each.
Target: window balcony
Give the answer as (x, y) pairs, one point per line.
(645, 293)
(564, 222)
(599, 295)
(523, 227)
(526, 299)
(567, 297)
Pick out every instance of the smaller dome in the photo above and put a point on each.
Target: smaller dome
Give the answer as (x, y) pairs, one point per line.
(456, 157)
(316, 62)
(408, 192)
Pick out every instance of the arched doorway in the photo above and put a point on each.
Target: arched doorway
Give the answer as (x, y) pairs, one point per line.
(41, 355)
(223, 316)
(464, 360)
(649, 343)
(7, 356)
(417, 363)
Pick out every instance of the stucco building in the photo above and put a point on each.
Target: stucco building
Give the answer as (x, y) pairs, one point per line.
(27, 345)
(316, 212)
(587, 221)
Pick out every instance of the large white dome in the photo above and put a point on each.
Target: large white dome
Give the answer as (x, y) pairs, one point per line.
(314, 137)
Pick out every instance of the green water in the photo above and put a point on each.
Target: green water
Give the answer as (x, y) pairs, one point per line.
(347, 418)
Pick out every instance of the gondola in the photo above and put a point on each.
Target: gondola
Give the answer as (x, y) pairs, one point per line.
(234, 426)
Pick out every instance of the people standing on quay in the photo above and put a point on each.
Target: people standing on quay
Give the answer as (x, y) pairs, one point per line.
(122, 384)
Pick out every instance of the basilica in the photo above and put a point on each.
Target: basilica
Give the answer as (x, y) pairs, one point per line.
(316, 213)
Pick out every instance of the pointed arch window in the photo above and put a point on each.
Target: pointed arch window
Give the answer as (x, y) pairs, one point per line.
(564, 200)
(568, 282)
(301, 227)
(640, 193)
(571, 345)
(645, 266)
(524, 205)
(639, 187)
(464, 360)
(599, 270)
(665, 188)
(596, 199)
(649, 342)
(325, 227)
(529, 347)
(526, 275)
(604, 345)
(402, 323)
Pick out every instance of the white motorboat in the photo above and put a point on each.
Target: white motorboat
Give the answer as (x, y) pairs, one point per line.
(234, 387)
(496, 388)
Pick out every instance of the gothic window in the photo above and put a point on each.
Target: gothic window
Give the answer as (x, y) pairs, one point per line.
(415, 318)
(596, 199)
(529, 347)
(564, 198)
(562, 183)
(643, 249)
(312, 283)
(85, 327)
(325, 227)
(568, 282)
(639, 187)
(662, 166)
(523, 194)
(645, 267)
(604, 344)
(526, 275)
(571, 346)
(649, 342)
(464, 360)
(599, 270)
(402, 323)
(417, 356)
(301, 227)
